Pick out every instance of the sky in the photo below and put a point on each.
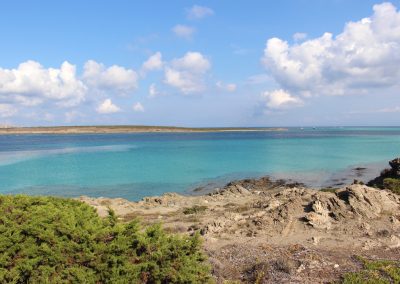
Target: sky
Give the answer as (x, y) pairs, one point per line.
(200, 63)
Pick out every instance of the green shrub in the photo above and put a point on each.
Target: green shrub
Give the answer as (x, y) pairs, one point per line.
(194, 209)
(392, 184)
(375, 272)
(329, 189)
(55, 240)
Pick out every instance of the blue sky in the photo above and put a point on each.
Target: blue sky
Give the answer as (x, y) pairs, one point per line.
(208, 63)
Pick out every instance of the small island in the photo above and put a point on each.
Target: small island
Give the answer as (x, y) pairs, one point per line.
(126, 129)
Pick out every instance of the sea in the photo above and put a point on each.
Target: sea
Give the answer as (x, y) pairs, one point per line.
(135, 165)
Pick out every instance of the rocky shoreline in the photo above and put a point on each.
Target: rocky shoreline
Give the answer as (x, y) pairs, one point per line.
(277, 232)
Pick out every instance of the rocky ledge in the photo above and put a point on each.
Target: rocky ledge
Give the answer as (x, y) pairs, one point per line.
(288, 232)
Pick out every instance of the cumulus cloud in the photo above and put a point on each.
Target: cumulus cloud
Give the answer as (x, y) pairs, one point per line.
(364, 58)
(30, 83)
(115, 77)
(183, 31)
(299, 36)
(280, 99)
(187, 73)
(230, 87)
(138, 107)
(199, 12)
(154, 62)
(107, 107)
(7, 110)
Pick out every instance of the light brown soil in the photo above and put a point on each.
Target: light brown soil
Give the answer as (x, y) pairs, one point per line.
(273, 233)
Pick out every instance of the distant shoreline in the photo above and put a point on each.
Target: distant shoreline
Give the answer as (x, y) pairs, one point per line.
(127, 129)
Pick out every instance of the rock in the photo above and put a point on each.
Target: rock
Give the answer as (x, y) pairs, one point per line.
(395, 165)
(321, 211)
(242, 190)
(393, 172)
(365, 226)
(394, 220)
(316, 240)
(272, 205)
(318, 221)
(369, 202)
(394, 242)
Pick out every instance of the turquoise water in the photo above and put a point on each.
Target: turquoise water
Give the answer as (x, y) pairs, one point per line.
(136, 165)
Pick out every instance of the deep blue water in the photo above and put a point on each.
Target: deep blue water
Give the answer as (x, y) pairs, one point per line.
(136, 165)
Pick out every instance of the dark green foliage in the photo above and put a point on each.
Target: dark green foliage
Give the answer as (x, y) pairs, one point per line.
(194, 209)
(393, 173)
(392, 184)
(55, 240)
(375, 272)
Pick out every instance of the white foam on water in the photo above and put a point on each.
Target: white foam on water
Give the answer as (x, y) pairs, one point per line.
(12, 157)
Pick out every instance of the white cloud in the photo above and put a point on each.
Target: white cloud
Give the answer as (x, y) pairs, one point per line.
(394, 109)
(194, 61)
(364, 58)
(7, 110)
(115, 78)
(199, 12)
(230, 87)
(73, 115)
(31, 83)
(154, 62)
(107, 107)
(138, 107)
(390, 109)
(153, 92)
(299, 36)
(183, 31)
(258, 79)
(187, 73)
(280, 99)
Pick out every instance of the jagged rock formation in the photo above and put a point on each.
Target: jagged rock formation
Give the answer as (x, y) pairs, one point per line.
(393, 172)
(291, 233)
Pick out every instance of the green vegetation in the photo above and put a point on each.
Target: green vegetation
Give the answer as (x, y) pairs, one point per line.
(194, 209)
(392, 184)
(375, 272)
(329, 189)
(55, 240)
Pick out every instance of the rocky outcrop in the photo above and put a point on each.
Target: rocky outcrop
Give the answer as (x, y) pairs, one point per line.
(393, 172)
(271, 222)
(319, 210)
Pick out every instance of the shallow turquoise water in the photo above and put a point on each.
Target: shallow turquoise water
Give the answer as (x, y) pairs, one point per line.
(137, 165)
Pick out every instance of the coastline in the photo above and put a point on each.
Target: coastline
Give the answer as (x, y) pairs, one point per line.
(284, 231)
(129, 129)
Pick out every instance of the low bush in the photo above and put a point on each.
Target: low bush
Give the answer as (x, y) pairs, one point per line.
(375, 272)
(392, 184)
(329, 189)
(194, 209)
(56, 240)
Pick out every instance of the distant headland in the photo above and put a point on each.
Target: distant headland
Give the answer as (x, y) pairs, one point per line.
(125, 129)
